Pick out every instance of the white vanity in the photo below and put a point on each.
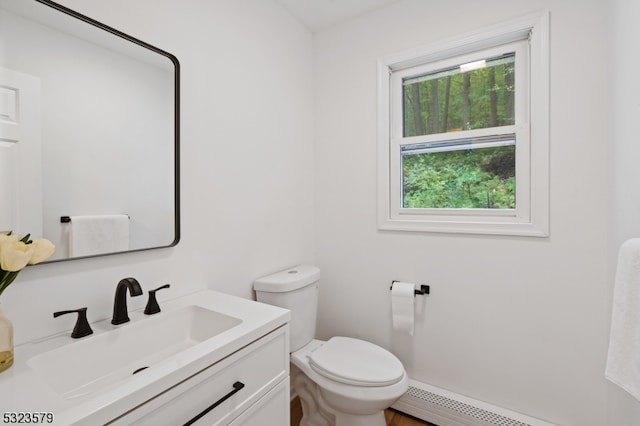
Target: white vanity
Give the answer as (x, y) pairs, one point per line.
(207, 359)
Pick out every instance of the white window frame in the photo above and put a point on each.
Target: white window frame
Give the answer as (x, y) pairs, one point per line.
(528, 37)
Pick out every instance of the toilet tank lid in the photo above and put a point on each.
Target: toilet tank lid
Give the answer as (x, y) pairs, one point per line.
(288, 280)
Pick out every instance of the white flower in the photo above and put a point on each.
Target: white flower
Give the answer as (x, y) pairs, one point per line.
(14, 255)
(42, 250)
(17, 253)
(8, 238)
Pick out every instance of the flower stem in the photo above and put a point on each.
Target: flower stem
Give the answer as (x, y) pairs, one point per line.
(7, 278)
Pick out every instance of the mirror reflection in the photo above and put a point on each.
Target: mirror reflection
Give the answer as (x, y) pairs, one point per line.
(88, 133)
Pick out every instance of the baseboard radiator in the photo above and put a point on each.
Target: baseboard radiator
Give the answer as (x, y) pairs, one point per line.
(445, 408)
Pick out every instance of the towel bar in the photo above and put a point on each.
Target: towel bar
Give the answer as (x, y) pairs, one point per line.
(67, 219)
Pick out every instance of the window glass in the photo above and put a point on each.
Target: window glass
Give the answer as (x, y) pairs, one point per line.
(475, 95)
(460, 176)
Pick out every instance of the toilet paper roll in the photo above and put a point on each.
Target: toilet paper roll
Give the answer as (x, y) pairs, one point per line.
(402, 303)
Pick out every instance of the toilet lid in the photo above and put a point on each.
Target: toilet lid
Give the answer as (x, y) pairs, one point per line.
(356, 362)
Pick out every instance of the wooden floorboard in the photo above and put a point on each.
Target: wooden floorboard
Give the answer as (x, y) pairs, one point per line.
(393, 417)
(296, 412)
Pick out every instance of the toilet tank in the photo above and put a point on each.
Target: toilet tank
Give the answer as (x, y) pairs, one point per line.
(295, 289)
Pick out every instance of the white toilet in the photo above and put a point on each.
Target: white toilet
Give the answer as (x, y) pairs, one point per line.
(343, 381)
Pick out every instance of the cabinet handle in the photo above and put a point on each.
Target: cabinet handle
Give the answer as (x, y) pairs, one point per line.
(236, 387)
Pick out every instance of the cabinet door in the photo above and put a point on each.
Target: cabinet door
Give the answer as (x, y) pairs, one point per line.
(272, 410)
(221, 392)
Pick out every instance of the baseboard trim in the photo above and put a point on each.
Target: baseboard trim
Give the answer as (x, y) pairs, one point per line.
(445, 408)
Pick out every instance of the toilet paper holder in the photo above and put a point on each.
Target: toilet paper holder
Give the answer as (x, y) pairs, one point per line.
(424, 289)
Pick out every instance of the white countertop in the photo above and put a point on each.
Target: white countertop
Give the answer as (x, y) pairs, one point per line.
(22, 390)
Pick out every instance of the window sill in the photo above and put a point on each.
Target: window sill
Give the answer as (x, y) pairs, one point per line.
(469, 225)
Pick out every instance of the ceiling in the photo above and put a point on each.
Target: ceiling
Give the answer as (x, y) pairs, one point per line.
(319, 14)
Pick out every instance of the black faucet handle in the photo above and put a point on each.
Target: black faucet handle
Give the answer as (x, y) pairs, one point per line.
(82, 327)
(152, 303)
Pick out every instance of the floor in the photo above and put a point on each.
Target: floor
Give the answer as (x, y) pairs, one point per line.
(393, 418)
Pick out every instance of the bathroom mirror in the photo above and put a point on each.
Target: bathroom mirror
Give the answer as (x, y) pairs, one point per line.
(89, 129)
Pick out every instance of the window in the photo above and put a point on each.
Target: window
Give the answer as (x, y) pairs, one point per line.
(463, 137)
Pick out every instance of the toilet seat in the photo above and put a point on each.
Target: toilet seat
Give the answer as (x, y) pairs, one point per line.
(356, 362)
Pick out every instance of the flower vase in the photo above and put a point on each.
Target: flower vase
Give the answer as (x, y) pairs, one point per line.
(6, 341)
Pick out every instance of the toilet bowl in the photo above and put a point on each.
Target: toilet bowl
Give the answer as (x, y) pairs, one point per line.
(342, 381)
(354, 380)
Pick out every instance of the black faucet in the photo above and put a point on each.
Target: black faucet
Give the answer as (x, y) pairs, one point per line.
(120, 314)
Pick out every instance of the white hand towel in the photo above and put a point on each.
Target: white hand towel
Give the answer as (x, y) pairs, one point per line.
(98, 234)
(623, 360)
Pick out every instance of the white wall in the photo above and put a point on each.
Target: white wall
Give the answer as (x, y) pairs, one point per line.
(247, 168)
(622, 409)
(517, 322)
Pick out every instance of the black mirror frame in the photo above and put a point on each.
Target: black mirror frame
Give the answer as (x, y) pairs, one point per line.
(176, 64)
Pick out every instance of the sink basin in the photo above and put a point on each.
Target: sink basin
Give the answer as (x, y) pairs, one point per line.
(103, 359)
